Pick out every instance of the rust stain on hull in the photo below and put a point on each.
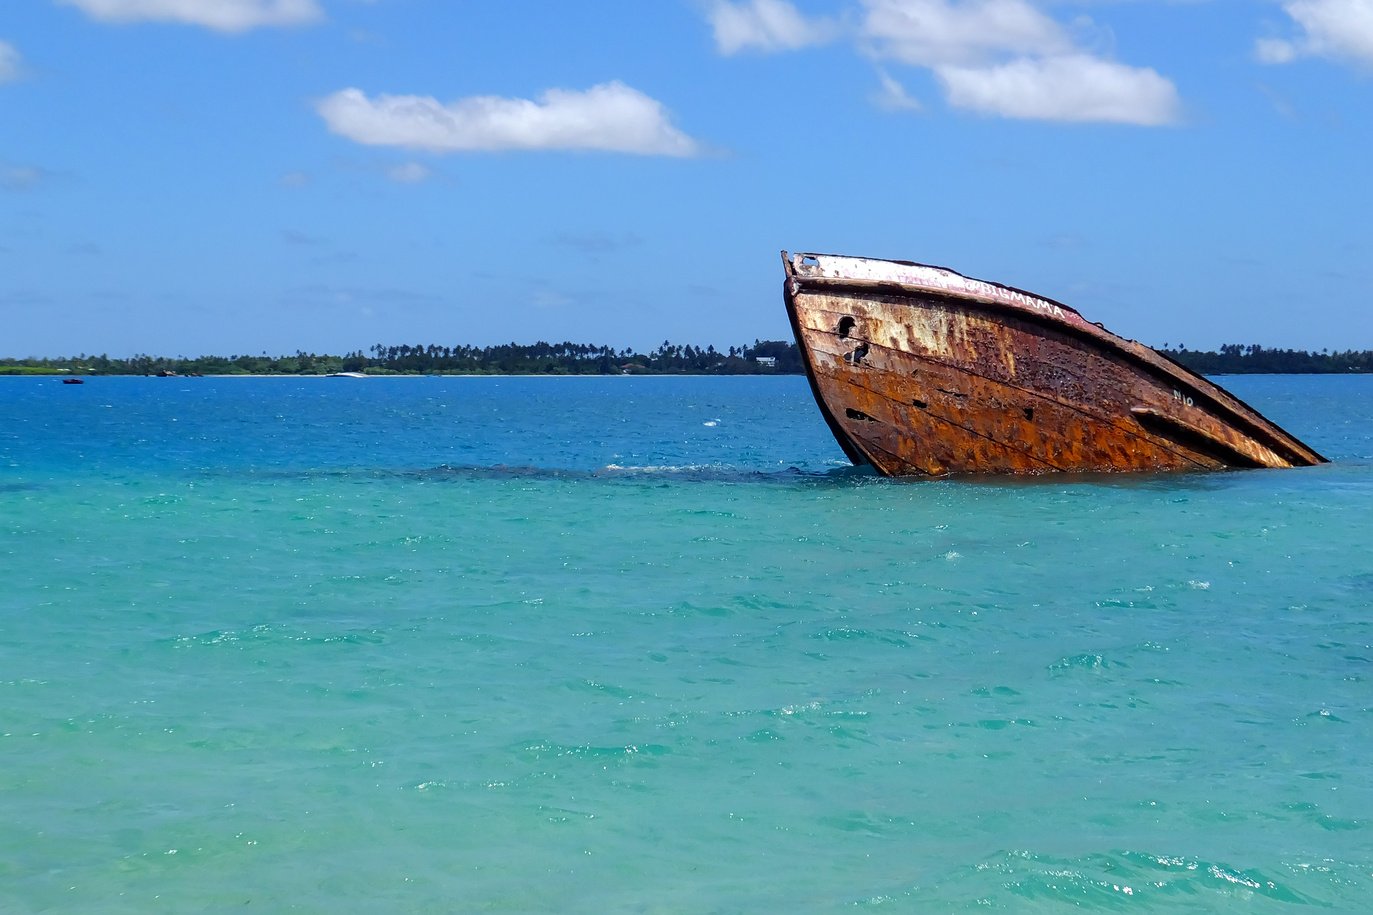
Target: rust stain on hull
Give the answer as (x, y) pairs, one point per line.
(921, 371)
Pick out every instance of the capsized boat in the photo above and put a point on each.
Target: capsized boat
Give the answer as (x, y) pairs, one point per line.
(921, 371)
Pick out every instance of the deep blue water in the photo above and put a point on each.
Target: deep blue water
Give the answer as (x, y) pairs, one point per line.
(254, 425)
(647, 644)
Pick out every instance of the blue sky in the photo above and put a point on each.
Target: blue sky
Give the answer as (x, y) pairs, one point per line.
(183, 177)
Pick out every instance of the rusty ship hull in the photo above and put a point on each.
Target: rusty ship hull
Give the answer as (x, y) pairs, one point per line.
(921, 371)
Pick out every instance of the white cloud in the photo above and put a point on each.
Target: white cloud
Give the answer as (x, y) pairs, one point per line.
(929, 33)
(221, 15)
(1341, 29)
(9, 62)
(610, 117)
(1074, 87)
(1007, 58)
(408, 173)
(767, 25)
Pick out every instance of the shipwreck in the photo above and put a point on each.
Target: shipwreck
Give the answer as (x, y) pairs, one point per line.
(921, 371)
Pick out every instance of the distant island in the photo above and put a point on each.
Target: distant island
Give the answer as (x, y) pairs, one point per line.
(762, 357)
(1235, 359)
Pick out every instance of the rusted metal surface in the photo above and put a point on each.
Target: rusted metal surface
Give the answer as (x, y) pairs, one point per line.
(921, 371)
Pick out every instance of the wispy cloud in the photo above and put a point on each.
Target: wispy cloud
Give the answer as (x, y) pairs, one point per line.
(764, 25)
(892, 95)
(610, 117)
(1006, 58)
(1337, 29)
(550, 298)
(1281, 103)
(301, 239)
(11, 63)
(1064, 241)
(927, 33)
(593, 243)
(25, 298)
(409, 173)
(365, 299)
(21, 177)
(220, 15)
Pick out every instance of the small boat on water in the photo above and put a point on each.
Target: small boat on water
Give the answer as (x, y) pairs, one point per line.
(73, 381)
(920, 371)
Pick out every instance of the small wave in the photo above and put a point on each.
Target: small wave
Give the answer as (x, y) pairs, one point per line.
(856, 634)
(661, 468)
(546, 748)
(702, 473)
(845, 476)
(274, 634)
(1085, 661)
(1021, 880)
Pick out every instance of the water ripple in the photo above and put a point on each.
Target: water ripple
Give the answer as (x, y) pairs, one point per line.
(1142, 881)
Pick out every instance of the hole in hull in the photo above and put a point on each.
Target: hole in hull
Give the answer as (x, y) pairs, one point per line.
(851, 413)
(857, 356)
(845, 327)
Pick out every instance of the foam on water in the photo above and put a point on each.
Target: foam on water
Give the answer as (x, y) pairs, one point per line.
(248, 666)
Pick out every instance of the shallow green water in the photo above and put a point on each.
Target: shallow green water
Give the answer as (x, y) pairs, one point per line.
(680, 664)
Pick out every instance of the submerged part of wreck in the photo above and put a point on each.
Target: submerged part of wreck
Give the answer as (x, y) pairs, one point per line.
(922, 371)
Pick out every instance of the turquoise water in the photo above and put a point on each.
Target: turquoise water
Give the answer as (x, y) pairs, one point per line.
(647, 645)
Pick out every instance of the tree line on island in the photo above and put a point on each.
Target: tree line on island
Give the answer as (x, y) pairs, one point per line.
(1237, 359)
(762, 357)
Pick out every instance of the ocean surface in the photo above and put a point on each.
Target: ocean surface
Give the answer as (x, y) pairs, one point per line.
(649, 645)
